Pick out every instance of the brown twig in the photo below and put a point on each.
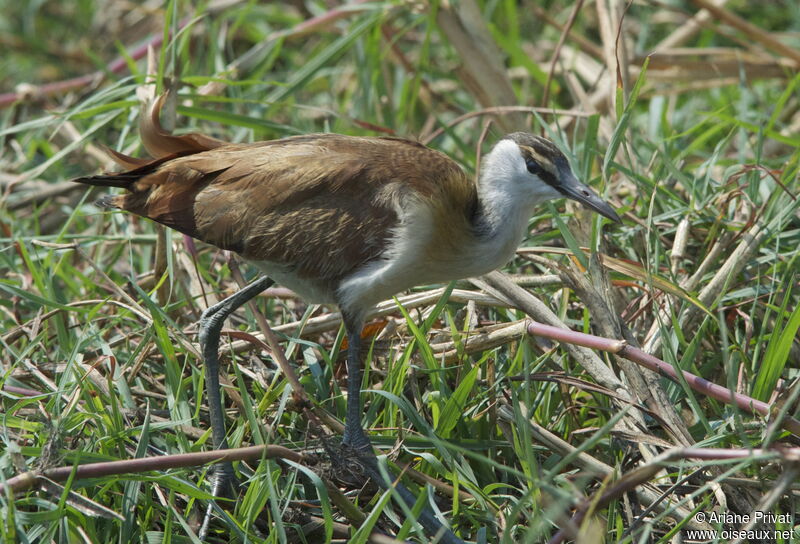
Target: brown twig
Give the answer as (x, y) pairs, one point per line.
(27, 480)
(722, 394)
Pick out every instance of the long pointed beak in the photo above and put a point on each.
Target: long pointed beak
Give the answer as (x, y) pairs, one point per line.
(570, 187)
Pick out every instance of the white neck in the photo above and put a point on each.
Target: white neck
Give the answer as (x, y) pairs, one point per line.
(507, 199)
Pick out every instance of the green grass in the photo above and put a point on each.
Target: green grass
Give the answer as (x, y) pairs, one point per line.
(115, 363)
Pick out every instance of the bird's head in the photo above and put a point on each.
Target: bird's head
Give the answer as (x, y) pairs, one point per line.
(536, 169)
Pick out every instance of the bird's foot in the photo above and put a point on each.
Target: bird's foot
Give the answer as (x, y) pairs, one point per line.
(358, 466)
(347, 464)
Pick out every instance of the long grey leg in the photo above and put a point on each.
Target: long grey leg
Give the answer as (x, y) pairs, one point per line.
(356, 438)
(354, 435)
(210, 327)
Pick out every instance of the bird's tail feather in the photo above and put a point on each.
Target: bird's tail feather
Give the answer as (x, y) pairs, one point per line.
(109, 201)
(123, 180)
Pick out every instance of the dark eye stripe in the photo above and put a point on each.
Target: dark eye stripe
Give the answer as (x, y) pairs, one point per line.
(550, 179)
(536, 169)
(533, 166)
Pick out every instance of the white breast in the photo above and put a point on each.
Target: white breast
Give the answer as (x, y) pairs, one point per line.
(417, 257)
(312, 291)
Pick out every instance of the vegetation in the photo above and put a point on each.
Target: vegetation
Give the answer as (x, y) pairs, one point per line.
(688, 121)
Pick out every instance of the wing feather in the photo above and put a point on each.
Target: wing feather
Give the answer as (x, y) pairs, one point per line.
(322, 204)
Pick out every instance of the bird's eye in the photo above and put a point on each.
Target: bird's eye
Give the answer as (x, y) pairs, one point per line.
(533, 167)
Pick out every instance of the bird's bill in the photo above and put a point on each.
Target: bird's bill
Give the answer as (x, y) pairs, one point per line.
(574, 189)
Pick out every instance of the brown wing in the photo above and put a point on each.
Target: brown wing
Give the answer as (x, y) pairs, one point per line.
(321, 204)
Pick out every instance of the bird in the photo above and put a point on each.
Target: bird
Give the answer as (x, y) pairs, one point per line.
(343, 220)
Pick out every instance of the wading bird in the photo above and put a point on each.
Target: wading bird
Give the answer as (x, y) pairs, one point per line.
(341, 219)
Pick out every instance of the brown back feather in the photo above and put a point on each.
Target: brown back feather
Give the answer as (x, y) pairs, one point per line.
(322, 205)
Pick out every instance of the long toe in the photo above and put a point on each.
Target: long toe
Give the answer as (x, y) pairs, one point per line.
(356, 467)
